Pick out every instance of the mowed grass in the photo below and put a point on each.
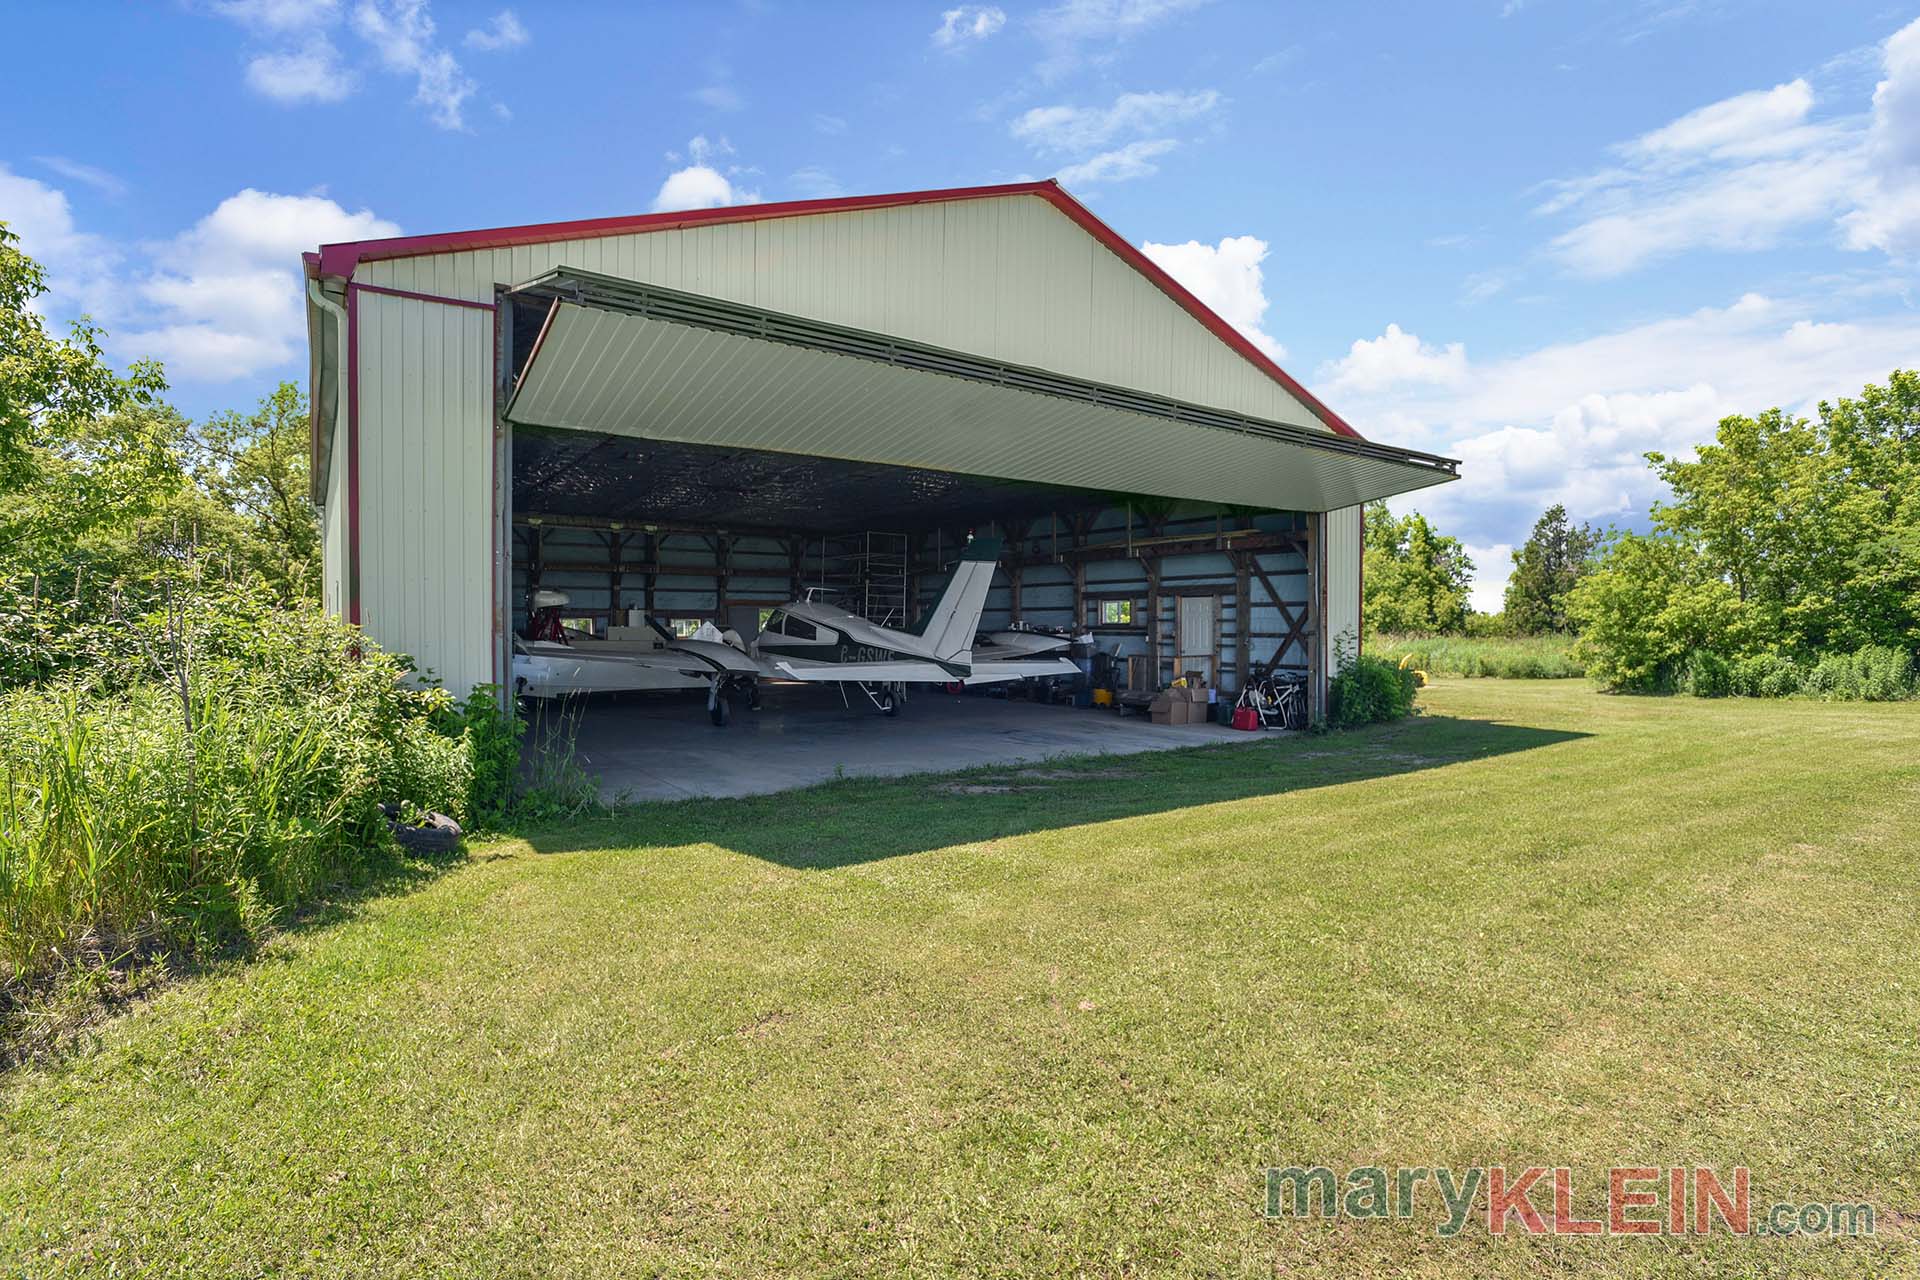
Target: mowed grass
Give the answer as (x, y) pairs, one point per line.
(1058, 1020)
(1547, 657)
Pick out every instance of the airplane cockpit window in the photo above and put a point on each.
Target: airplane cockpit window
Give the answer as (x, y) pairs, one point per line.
(800, 629)
(774, 623)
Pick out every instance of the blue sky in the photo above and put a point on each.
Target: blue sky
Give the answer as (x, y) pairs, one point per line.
(1541, 235)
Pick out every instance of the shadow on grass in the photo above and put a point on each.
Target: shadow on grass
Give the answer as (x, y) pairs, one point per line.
(843, 823)
(52, 1014)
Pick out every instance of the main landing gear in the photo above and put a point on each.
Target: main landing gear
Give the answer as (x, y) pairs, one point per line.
(720, 695)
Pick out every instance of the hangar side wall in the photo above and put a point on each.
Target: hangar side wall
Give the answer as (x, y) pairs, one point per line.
(1343, 544)
(426, 484)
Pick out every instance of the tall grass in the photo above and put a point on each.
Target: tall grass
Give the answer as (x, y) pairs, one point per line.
(1510, 657)
(209, 771)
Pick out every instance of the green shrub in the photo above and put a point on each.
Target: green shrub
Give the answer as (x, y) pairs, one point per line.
(204, 772)
(1707, 675)
(1876, 673)
(1370, 690)
(492, 736)
(1766, 675)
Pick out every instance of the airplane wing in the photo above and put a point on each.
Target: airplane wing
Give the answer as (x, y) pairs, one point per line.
(995, 670)
(719, 657)
(861, 672)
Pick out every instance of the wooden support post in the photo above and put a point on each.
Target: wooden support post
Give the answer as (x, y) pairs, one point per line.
(1242, 619)
(1151, 563)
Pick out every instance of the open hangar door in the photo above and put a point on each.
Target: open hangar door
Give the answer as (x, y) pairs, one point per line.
(700, 459)
(688, 533)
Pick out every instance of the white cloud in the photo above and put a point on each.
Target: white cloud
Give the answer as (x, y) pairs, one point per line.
(1761, 122)
(225, 300)
(828, 124)
(1888, 218)
(279, 16)
(1064, 128)
(78, 264)
(401, 33)
(1394, 359)
(1570, 422)
(701, 184)
(91, 175)
(310, 74)
(505, 31)
(1753, 170)
(1078, 20)
(1492, 566)
(968, 24)
(1135, 160)
(1228, 277)
(1079, 31)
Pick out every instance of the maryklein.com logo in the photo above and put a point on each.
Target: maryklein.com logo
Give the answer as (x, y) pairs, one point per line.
(1647, 1200)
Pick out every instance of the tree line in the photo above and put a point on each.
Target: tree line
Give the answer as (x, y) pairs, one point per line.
(1786, 555)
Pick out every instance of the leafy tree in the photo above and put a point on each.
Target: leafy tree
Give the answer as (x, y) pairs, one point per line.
(1416, 579)
(53, 391)
(1783, 536)
(1650, 602)
(255, 466)
(1544, 571)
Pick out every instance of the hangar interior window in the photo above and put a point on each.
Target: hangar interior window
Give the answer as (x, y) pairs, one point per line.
(683, 628)
(1116, 613)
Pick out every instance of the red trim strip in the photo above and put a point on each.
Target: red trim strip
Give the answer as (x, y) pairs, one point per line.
(342, 259)
(353, 457)
(354, 286)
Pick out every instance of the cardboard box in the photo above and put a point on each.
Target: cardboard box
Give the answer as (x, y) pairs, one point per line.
(1196, 693)
(1188, 712)
(1161, 708)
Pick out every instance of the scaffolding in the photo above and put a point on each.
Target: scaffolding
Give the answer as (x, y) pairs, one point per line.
(866, 573)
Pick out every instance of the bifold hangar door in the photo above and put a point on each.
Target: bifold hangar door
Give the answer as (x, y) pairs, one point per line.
(624, 358)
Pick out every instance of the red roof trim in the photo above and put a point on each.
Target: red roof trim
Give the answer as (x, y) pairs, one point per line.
(342, 259)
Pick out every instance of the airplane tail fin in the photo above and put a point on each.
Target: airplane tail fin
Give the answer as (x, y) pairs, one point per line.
(954, 619)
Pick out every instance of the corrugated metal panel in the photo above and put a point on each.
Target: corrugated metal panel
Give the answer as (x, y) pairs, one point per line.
(333, 539)
(1011, 278)
(630, 375)
(1343, 580)
(426, 430)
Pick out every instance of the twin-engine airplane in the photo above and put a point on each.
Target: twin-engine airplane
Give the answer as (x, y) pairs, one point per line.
(814, 642)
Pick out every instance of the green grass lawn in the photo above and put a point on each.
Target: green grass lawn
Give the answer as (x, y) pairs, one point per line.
(1056, 1020)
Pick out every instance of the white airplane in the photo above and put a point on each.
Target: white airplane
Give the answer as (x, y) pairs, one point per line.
(814, 642)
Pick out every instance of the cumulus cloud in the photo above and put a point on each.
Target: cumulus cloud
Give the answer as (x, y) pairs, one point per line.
(78, 264)
(1569, 422)
(225, 300)
(219, 301)
(505, 31)
(968, 24)
(700, 184)
(1228, 277)
(1888, 218)
(1395, 358)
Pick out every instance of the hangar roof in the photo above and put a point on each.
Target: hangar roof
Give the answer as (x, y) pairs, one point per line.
(342, 260)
